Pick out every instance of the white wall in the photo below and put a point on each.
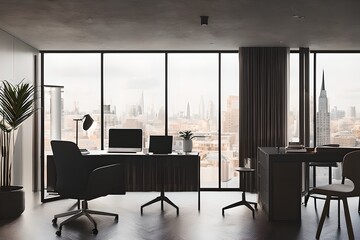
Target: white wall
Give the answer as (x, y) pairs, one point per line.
(17, 62)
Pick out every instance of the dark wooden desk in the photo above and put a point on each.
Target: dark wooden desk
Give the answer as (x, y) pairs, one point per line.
(280, 178)
(181, 171)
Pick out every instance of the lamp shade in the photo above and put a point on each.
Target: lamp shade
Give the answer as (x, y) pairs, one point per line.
(88, 121)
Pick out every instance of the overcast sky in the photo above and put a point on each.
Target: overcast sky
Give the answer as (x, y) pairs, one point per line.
(191, 78)
(342, 79)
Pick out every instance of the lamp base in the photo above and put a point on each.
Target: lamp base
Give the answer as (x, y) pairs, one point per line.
(84, 151)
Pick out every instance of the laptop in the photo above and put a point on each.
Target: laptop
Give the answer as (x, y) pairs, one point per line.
(160, 144)
(123, 140)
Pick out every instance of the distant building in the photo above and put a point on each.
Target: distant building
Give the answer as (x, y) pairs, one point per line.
(231, 115)
(188, 111)
(323, 118)
(337, 114)
(352, 112)
(344, 138)
(142, 105)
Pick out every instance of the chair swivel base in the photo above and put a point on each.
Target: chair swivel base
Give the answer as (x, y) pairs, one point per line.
(242, 202)
(163, 199)
(80, 212)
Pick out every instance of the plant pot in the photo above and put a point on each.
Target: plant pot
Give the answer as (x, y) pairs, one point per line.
(187, 145)
(12, 202)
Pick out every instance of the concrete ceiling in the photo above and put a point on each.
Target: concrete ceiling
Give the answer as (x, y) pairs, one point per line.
(175, 24)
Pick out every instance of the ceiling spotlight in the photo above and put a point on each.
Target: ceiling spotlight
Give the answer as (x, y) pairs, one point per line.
(204, 20)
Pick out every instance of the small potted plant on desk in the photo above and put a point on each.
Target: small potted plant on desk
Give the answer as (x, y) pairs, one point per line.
(16, 105)
(187, 137)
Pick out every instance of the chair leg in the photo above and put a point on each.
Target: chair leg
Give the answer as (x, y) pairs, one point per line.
(323, 215)
(348, 220)
(314, 184)
(102, 213)
(330, 175)
(338, 213)
(71, 219)
(91, 219)
(67, 214)
(314, 176)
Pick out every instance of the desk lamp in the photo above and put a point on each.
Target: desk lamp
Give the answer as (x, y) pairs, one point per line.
(87, 122)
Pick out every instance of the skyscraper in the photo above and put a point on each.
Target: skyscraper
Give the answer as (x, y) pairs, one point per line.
(231, 115)
(323, 117)
(188, 111)
(142, 105)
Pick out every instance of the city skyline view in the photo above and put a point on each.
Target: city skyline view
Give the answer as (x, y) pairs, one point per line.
(342, 86)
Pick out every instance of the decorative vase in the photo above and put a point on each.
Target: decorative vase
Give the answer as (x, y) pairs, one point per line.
(187, 145)
(12, 198)
(12, 202)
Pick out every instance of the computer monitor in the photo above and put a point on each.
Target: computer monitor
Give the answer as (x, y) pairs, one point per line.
(160, 144)
(125, 140)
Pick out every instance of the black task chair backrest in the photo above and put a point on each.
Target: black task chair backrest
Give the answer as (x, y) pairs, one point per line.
(351, 170)
(71, 169)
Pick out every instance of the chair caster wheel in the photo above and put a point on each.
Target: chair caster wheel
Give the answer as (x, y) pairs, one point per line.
(95, 231)
(54, 221)
(116, 218)
(58, 233)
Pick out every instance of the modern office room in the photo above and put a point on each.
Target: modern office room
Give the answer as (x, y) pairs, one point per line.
(179, 119)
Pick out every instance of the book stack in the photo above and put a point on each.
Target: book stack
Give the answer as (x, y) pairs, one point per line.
(295, 147)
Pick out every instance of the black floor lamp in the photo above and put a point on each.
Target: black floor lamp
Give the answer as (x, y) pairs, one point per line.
(87, 122)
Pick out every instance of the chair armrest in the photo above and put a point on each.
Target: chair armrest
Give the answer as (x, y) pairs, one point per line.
(106, 180)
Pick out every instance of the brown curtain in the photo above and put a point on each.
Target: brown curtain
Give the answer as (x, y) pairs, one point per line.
(263, 99)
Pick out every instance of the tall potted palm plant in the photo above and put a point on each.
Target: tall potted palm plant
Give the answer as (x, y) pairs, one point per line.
(16, 105)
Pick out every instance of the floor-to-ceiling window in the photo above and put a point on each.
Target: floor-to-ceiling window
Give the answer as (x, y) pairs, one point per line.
(293, 127)
(202, 90)
(293, 98)
(71, 90)
(193, 87)
(337, 103)
(229, 119)
(337, 92)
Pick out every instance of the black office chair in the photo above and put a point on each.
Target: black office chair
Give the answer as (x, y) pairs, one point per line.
(351, 169)
(76, 180)
(331, 149)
